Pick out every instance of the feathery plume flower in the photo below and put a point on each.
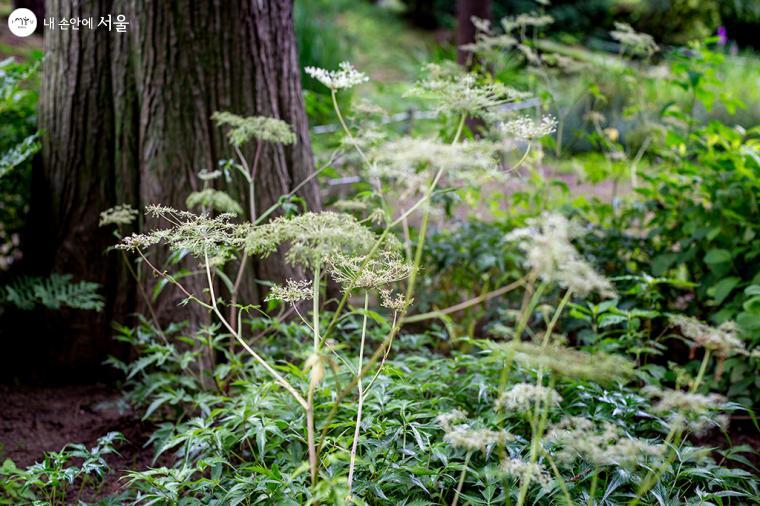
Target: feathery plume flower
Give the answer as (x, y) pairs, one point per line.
(293, 291)
(566, 362)
(460, 93)
(522, 470)
(362, 272)
(723, 341)
(601, 444)
(345, 77)
(122, 214)
(549, 252)
(696, 412)
(522, 397)
(215, 199)
(526, 128)
(261, 128)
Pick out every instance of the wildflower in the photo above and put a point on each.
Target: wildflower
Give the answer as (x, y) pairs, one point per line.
(692, 411)
(313, 237)
(723, 341)
(566, 362)
(214, 199)
(396, 302)
(550, 253)
(261, 128)
(486, 40)
(476, 439)
(404, 161)
(523, 396)
(350, 205)
(523, 471)
(447, 420)
(601, 444)
(123, 214)
(639, 43)
(346, 77)
(460, 93)
(199, 234)
(294, 291)
(363, 272)
(526, 128)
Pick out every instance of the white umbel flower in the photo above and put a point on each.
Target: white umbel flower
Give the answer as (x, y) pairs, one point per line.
(345, 77)
(522, 397)
(525, 471)
(527, 128)
(293, 291)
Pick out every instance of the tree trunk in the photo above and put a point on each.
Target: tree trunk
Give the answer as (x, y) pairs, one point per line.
(466, 9)
(126, 119)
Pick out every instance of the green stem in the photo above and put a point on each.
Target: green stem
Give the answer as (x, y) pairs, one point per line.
(315, 306)
(676, 431)
(360, 403)
(461, 479)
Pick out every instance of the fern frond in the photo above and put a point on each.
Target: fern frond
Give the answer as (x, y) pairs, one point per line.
(53, 292)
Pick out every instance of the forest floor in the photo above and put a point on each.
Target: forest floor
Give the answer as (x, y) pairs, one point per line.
(35, 420)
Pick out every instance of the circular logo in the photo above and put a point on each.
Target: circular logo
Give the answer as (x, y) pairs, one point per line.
(22, 22)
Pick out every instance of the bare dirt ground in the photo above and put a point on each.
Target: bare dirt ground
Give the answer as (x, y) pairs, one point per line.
(35, 420)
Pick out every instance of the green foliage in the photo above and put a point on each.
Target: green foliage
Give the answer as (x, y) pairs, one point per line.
(51, 480)
(53, 292)
(18, 143)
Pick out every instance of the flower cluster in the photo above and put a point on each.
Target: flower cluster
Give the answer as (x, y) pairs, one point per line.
(314, 238)
(123, 214)
(345, 77)
(600, 445)
(522, 471)
(552, 256)
(723, 341)
(522, 397)
(526, 128)
(201, 235)
(363, 272)
(394, 301)
(260, 128)
(293, 291)
(404, 162)
(214, 199)
(461, 93)
(462, 436)
(692, 411)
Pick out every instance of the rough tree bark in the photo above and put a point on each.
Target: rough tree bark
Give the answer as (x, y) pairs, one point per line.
(126, 118)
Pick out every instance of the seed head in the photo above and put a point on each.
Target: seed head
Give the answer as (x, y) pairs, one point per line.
(363, 272)
(293, 291)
